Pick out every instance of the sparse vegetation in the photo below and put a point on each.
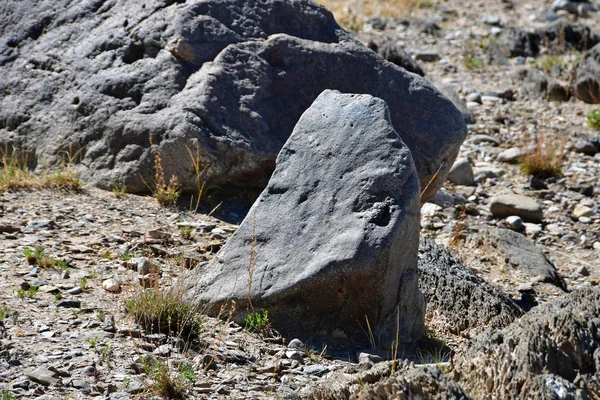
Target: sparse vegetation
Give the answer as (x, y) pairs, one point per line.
(27, 293)
(93, 341)
(200, 176)
(187, 373)
(4, 313)
(351, 14)
(15, 174)
(37, 256)
(8, 395)
(119, 191)
(165, 192)
(548, 61)
(545, 161)
(472, 62)
(165, 383)
(186, 231)
(163, 310)
(257, 321)
(315, 355)
(593, 118)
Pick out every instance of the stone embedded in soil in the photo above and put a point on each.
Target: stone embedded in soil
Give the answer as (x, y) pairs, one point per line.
(519, 252)
(510, 155)
(461, 173)
(44, 376)
(586, 147)
(582, 211)
(111, 285)
(513, 204)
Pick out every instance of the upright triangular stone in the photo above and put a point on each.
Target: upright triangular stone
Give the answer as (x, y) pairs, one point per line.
(335, 234)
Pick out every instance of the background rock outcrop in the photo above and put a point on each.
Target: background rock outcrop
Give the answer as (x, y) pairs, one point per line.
(553, 349)
(586, 84)
(405, 381)
(218, 85)
(519, 252)
(335, 233)
(458, 301)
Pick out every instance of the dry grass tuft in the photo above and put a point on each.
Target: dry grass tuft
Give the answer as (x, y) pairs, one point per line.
(162, 310)
(165, 192)
(547, 159)
(15, 175)
(351, 14)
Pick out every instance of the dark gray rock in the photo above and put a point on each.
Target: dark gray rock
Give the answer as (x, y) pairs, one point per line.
(458, 301)
(219, 83)
(393, 52)
(406, 381)
(535, 83)
(586, 77)
(334, 234)
(518, 42)
(451, 94)
(552, 352)
(580, 8)
(520, 252)
(586, 147)
(559, 36)
(69, 304)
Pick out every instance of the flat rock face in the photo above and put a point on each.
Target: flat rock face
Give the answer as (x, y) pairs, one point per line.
(520, 252)
(540, 355)
(459, 301)
(514, 204)
(218, 84)
(334, 234)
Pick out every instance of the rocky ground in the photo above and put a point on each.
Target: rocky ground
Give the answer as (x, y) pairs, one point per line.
(66, 332)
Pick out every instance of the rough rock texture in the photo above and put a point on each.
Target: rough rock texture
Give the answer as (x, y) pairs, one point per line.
(219, 83)
(587, 77)
(423, 382)
(395, 53)
(520, 252)
(552, 352)
(458, 301)
(407, 382)
(335, 231)
(535, 83)
(561, 35)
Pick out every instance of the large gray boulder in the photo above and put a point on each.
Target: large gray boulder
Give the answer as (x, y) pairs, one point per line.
(458, 301)
(218, 84)
(334, 234)
(553, 352)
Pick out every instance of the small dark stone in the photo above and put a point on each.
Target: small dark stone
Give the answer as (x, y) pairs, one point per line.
(69, 304)
(586, 190)
(536, 183)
